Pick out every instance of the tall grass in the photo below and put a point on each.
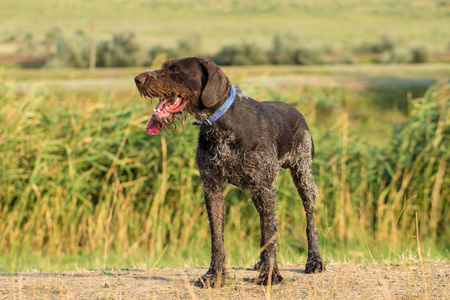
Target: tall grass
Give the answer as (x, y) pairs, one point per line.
(80, 175)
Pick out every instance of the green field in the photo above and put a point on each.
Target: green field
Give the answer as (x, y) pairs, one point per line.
(84, 186)
(234, 21)
(80, 176)
(335, 25)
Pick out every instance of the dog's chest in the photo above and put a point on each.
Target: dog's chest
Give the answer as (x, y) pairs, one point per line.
(222, 152)
(235, 162)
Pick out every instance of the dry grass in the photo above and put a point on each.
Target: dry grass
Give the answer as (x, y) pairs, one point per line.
(83, 184)
(404, 280)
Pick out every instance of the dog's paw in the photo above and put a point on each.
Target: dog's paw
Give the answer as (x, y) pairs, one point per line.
(314, 266)
(264, 277)
(210, 280)
(258, 266)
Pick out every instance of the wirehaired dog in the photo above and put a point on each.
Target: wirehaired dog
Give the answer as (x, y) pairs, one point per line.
(242, 142)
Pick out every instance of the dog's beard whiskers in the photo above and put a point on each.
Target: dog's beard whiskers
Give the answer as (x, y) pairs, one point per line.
(171, 124)
(169, 129)
(151, 91)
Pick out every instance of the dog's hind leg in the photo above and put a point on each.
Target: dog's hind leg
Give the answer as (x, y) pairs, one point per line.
(301, 171)
(264, 200)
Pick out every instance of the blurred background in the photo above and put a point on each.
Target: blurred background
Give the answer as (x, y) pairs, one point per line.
(84, 186)
(54, 34)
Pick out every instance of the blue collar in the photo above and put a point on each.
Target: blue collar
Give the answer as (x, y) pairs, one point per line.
(221, 111)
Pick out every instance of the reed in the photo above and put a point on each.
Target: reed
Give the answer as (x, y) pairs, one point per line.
(80, 175)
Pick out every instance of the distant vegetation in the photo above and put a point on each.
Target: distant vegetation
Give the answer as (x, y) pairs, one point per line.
(133, 33)
(123, 50)
(79, 173)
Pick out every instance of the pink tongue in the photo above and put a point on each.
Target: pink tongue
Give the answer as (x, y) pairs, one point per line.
(153, 127)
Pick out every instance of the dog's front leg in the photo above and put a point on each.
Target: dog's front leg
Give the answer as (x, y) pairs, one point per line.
(215, 206)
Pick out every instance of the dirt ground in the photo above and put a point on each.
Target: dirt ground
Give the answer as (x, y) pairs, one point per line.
(340, 281)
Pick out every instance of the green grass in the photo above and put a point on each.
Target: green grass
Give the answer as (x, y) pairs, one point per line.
(73, 156)
(229, 22)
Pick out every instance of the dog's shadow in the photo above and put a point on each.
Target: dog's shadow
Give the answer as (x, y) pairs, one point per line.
(298, 271)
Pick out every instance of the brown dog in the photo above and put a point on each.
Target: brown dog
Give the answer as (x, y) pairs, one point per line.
(242, 142)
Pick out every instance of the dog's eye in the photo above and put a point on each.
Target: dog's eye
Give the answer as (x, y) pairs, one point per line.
(174, 69)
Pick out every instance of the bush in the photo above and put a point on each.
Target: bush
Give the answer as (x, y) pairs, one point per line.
(386, 44)
(396, 55)
(72, 51)
(121, 51)
(288, 49)
(307, 56)
(284, 48)
(227, 55)
(244, 54)
(419, 54)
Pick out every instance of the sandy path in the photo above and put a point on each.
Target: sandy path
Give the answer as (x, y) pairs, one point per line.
(340, 281)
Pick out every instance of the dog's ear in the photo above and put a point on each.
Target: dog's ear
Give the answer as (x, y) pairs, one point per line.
(217, 84)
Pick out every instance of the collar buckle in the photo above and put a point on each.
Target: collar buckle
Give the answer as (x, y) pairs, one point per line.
(220, 112)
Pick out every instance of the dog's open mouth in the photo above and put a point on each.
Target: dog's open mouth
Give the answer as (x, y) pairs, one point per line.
(163, 110)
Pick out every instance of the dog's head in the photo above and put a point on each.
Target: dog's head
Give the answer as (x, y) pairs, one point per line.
(192, 85)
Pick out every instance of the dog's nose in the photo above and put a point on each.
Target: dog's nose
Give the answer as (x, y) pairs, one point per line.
(140, 79)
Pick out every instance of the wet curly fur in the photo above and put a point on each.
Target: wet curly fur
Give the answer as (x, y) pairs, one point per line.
(246, 147)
